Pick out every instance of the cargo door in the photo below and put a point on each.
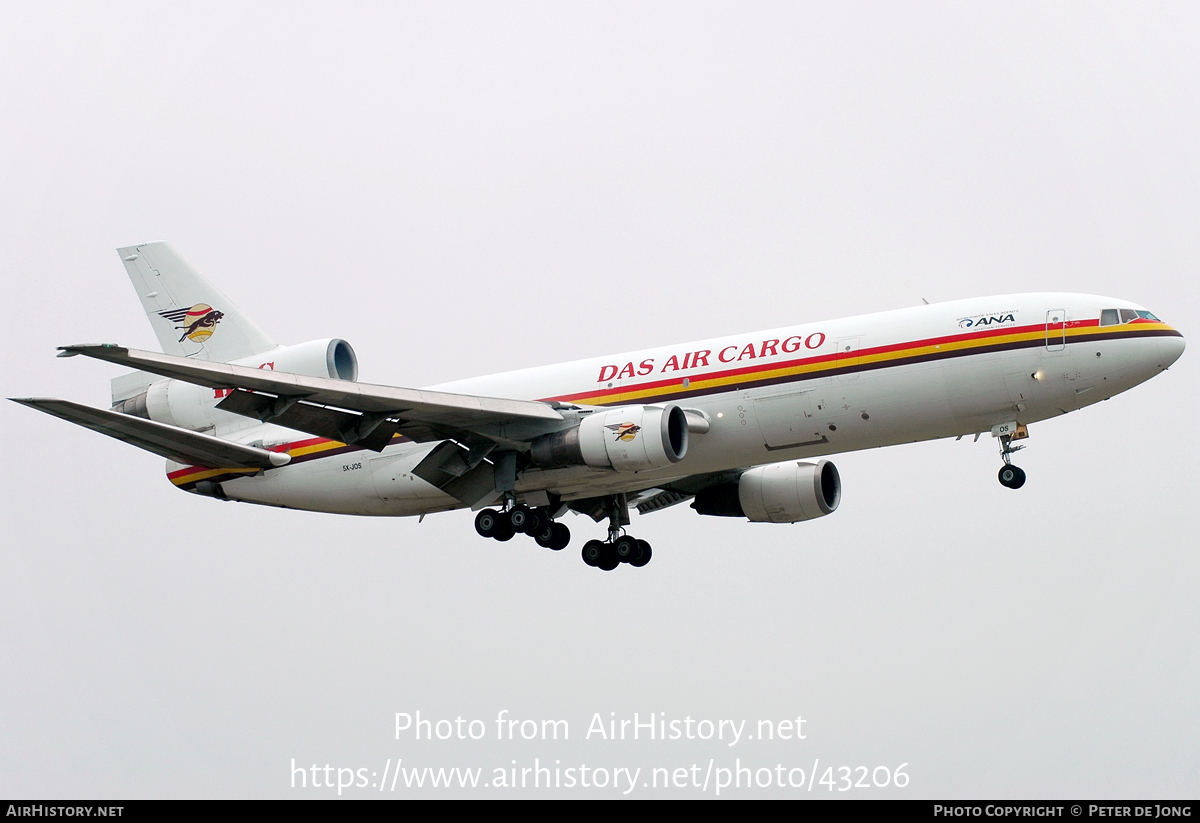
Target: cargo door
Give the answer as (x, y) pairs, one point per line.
(786, 421)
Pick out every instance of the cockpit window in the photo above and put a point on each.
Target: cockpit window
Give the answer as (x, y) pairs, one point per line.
(1108, 317)
(1145, 315)
(1128, 315)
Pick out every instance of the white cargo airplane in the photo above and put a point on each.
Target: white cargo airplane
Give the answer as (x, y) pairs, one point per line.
(736, 424)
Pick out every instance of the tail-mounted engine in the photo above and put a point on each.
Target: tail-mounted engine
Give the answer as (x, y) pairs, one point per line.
(779, 493)
(628, 439)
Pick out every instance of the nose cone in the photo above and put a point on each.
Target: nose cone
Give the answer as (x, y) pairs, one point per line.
(1170, 349)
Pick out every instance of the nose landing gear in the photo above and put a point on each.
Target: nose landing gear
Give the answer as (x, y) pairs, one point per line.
(1011, 477)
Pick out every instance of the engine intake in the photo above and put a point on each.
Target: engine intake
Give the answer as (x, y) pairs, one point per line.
(779, 493)
(332, 358)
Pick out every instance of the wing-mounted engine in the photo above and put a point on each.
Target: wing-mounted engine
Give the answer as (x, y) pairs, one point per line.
(779, 493)
(194, 407)
(628, 439)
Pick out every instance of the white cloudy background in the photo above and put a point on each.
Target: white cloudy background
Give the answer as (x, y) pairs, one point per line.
(459, 189)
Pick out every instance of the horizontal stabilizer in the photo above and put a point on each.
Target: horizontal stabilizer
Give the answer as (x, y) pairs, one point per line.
(190, 448)
(440, 410)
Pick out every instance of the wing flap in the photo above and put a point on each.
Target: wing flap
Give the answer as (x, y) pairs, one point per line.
(369, 431)
(659, 499)
(167, 441)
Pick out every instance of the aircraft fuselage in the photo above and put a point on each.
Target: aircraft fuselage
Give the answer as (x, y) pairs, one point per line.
(805, 391)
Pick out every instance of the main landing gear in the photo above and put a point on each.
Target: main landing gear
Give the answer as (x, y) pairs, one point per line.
(1010, 476)
(619, 548)
(535, 522)
(609, 555)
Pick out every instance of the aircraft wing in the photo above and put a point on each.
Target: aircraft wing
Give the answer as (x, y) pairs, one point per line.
(175, 444)
(372, 414)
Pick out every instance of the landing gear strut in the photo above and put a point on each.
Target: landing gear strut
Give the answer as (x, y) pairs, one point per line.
(620, 547)
(1010, 476)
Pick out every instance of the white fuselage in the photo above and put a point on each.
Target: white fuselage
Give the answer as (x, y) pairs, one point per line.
(805, 391)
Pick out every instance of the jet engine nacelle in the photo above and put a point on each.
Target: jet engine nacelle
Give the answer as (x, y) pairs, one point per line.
(780, 493)
(332, 358)
(628, 439)
(194, 407)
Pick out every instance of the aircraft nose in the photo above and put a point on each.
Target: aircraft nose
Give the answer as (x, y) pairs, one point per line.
(1171, 348)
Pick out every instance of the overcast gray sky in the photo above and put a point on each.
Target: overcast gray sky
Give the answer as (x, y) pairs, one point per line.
(459, 189)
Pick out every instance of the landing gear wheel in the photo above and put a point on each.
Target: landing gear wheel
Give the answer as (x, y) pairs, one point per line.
(486, 522)
(643, 556)
(536, 521)
(560, 538)
(1011, 477)
(592, 551)
(608, 558)
(626, 548)
(504, 532)
(518, 516)
(545, 537)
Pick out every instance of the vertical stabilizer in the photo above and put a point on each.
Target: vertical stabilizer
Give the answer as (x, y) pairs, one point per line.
(190, 317)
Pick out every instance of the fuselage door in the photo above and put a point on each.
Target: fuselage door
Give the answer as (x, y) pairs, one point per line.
(847, 358)
(1056, 330)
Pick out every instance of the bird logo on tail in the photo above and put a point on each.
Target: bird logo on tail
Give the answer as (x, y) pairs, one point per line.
(199, 321)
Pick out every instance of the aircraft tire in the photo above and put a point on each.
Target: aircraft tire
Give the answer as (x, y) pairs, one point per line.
(608, 558)
(518, 517)
(1011, 477)
(561, 536)
(545, 537)
(625, 548)
(643, 556)
(536, 521)
(593, 550)
(504, 532)
(486, 522)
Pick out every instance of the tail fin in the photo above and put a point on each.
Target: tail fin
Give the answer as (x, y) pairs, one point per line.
(189, 315)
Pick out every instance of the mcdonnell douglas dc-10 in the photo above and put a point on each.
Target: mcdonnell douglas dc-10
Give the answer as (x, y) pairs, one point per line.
(739, 425)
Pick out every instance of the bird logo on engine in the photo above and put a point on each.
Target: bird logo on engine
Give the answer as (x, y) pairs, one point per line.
(624, 431)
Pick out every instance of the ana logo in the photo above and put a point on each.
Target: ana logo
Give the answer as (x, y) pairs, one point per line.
(999, 319)
(624, 431)
(199, 321)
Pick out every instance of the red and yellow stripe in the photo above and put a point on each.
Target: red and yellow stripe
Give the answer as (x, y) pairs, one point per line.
(765, 374)
(302, 451)
(733, 378)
